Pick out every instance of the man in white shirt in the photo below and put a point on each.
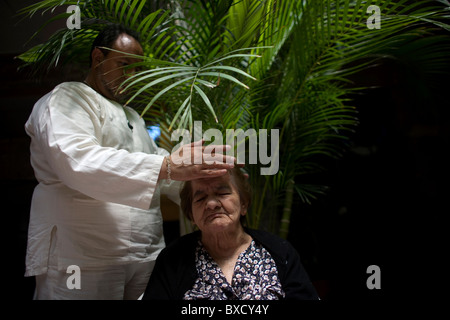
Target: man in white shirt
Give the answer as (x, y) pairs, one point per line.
(95, 223)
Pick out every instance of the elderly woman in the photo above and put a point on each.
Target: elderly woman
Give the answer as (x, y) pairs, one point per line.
(224, 260)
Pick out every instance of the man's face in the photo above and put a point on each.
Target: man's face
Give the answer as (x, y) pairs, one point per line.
(216, 204)
(111, 69)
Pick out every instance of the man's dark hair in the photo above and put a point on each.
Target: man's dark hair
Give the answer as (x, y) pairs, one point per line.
(108, 36)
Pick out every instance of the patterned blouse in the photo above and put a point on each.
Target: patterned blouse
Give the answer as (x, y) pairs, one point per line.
(255, 277)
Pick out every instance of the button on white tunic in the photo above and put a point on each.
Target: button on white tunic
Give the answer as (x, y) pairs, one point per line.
(97, 182)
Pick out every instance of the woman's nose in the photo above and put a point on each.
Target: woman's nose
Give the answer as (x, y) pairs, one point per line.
(213, 203)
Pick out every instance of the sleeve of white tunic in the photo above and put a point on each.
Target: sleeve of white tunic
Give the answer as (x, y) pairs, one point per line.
(86, 140)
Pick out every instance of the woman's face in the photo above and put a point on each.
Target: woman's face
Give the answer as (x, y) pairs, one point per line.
(216, 204)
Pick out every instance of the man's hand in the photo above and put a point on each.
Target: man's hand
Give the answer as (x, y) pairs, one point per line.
(195, 161)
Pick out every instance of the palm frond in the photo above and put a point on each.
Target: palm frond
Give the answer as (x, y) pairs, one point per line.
(261, 64)
(74, 44)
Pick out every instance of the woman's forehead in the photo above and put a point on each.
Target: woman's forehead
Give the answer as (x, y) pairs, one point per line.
(212, 183)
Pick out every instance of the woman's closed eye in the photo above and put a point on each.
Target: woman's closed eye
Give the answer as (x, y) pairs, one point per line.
(200, 199)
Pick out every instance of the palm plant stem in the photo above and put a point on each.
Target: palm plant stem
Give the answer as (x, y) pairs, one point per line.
(287, 210)
(261, 205)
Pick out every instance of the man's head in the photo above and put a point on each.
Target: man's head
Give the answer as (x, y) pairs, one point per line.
(110, 68)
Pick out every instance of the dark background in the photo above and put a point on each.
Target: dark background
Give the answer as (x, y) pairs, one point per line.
(385, 206)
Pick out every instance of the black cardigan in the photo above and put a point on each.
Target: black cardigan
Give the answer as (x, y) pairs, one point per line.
(175, 271)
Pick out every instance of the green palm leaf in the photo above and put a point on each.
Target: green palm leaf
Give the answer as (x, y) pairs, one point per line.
(199, 58)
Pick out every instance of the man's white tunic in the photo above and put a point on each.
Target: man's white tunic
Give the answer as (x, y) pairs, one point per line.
(98, 189)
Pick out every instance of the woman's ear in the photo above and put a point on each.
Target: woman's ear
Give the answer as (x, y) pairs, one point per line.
(244, 209)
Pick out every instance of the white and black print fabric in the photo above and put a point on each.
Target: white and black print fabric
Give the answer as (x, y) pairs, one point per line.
(255, 277)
